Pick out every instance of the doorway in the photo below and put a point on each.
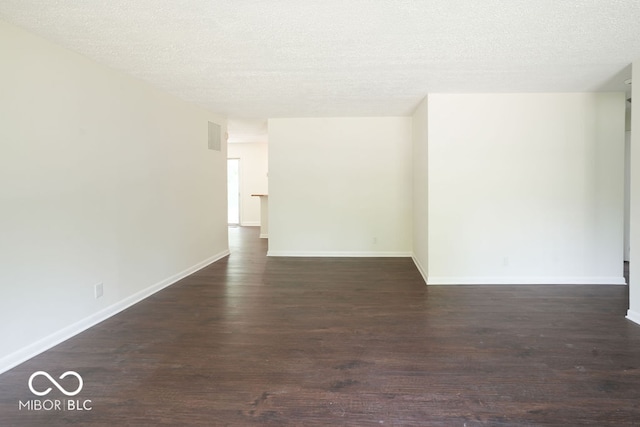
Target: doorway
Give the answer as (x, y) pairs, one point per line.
(233, 191)
(627, 188)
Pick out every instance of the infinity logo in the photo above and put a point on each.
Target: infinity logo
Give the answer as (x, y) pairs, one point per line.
(54, 382)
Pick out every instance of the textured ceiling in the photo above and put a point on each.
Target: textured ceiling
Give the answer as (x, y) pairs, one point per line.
(258, 59)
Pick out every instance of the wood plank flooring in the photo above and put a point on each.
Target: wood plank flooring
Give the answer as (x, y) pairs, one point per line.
(252, 340)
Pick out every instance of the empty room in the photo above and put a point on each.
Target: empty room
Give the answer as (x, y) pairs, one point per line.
(435, 208)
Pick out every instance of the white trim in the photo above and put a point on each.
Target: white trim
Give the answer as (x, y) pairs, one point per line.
(264, 236)
(420, 268)
(250, 223)
(340, 254)
(634, 316)
(44, 344)
(526, 280)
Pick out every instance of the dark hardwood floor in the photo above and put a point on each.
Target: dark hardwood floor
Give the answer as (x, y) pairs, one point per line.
(344, 342)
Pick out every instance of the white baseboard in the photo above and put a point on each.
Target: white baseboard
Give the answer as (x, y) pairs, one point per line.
(421, 269)
(264, 236)
(250, 223)
(67, 332)
(634, 316)
(339, 254)
(526, 280)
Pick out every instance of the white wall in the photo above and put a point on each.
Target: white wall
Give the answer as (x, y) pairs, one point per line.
(253, 178)
(627, 194)
(420, 133)
(627, 176)
(340, 186)
(526, 188)
(102, 179)
(634, 264)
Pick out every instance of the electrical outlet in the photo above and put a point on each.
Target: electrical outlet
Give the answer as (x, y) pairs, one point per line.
(99, 290)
